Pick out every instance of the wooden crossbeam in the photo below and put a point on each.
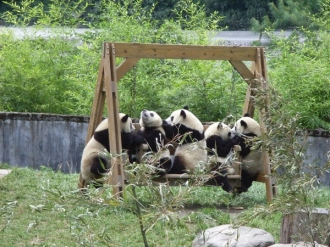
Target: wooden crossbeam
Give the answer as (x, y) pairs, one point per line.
(193, 52)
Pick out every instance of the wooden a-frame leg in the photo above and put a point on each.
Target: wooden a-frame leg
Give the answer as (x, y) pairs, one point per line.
(116, 178)
(97, 111)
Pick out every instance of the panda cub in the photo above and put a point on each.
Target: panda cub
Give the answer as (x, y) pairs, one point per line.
(247, 128)
(191, 150)
(220, 139)
(94, 162)
(154, 132)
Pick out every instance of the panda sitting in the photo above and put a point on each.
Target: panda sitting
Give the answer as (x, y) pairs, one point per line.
(95, 162)
(191, 150)
(153, 134)
(248, 128)
(220, 139)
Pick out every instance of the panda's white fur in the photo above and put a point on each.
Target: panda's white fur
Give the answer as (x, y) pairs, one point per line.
(220, 139)
(248, 128)
(191, 150)
(95, 163)
(153, 133)
(220, 129)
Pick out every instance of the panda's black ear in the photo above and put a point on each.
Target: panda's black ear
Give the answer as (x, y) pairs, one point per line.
(247, 115)
(183, 114)
(186, 107)
(219, 125)
(124, 118)
(243, 123)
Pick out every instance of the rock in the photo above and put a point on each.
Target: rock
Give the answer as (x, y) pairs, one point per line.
(228, 236)
(298, 244)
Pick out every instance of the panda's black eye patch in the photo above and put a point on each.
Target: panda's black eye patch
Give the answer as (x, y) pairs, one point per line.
(172, 119)
(151, 114)
(229, 133)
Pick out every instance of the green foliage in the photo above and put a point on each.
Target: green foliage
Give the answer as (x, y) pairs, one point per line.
(298, 72)
(57, 77)
(297, 181)
(55, 13)
(39, 75)
(321, 18)
(289, 14)
(286, 14)
(31, 200)
(34, 199)
(59, 73)
(237, 15)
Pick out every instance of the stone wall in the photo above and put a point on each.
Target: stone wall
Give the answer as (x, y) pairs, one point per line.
(57, 141)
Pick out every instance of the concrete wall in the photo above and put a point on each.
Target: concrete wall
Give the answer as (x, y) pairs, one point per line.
(34, 140)
(318, 154)
(57, 141)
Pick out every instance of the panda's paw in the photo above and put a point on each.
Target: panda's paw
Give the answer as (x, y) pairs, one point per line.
(230, 170)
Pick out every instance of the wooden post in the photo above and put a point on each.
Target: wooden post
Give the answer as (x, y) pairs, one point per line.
(261, 75)
(116, 178)
(97, 109)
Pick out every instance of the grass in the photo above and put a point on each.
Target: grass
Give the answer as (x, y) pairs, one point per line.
(44, 208)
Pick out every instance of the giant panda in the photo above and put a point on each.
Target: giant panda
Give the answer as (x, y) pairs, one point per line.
(94, 161)
(154, 132)
(247, 128)
(191, 150)
(220, 139)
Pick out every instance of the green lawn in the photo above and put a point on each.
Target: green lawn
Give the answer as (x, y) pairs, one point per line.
(44, 208)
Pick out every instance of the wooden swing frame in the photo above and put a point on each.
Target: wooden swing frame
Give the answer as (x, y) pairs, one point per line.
(109, 74)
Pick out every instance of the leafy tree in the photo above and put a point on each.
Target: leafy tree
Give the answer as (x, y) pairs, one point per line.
(237, 14)
(321, 18)
(59, 76)
(298, 72)
(289, 14)
(286, 14)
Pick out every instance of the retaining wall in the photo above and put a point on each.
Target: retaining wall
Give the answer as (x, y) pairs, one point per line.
(57, 141)
(34, 140)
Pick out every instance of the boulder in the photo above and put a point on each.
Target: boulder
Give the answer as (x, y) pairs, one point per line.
(229, 236)
(298, 244)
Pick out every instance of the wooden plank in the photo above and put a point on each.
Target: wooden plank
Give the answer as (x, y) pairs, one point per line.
(179, 179)
(170, 51)
(98, 103)
(263, 64)
(259, 76)
(110, 80)
(126, 66)
(248, 107)
(189, 176)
